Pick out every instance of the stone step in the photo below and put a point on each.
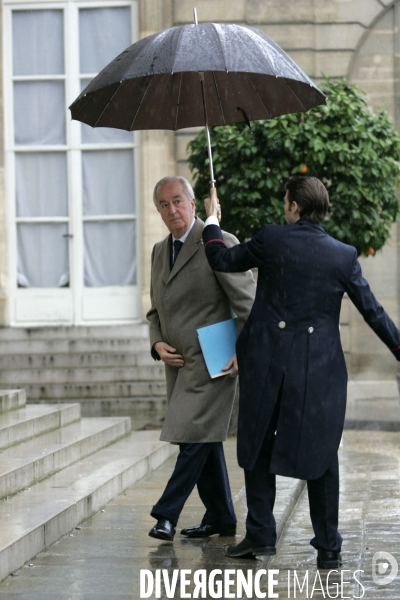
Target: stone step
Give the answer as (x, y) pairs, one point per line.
(24, 377)
(133, 331)
(29, 462)
(77, 360)
(11, 400)
(360, 390)
(135, 407)
(34, 419)
(56, 346)
(78, 391)
(34, 519)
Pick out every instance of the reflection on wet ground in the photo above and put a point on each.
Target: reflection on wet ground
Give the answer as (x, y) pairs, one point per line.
(104, 558)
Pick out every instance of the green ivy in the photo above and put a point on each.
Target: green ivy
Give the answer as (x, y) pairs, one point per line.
(356, 154)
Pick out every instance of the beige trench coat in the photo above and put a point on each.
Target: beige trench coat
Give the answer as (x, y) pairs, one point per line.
(190, 296)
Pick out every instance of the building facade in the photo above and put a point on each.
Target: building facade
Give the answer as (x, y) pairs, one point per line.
(77, 221)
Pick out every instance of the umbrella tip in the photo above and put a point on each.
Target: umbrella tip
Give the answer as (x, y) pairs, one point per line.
(195, 17)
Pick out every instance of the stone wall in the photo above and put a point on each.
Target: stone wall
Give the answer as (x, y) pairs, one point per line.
(157, 153)
(372, 68)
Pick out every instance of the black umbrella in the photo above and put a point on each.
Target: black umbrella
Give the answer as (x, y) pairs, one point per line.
(196, 75)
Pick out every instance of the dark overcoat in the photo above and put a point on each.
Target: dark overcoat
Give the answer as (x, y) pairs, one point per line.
(291, 341)
(183, 299)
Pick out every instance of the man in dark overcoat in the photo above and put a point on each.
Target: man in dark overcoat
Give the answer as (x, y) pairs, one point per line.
(292, 372)
(185, 295)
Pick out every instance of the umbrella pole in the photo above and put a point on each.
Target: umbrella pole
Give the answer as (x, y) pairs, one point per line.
(208, 138)
(210, 159)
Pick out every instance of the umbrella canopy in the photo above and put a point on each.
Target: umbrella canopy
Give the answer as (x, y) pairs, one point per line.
(155, 83)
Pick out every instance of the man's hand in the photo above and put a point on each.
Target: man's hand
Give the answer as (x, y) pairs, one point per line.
(232, 364)
(212, 205)
(168, 354)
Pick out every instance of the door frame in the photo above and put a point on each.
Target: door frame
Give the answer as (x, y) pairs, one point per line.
(77, 304)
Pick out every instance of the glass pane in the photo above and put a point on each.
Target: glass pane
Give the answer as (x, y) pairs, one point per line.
(39, 112)
(41, 184)
(38, 42)
(103, 135)
(108, 184)
(110, 253)
(103, 34)
(42, 255)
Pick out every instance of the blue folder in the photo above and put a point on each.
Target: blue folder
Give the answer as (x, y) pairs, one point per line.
(218, 344)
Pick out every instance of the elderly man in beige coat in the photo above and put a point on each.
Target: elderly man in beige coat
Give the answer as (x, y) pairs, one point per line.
(187, 294)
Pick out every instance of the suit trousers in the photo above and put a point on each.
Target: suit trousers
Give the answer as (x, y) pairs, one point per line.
(323, 495)
(204, 465)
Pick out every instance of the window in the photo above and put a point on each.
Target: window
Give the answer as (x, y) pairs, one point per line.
(73, 188)
(41, 190)
(107, 173)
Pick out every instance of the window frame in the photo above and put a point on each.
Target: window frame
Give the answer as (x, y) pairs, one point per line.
(73, 148)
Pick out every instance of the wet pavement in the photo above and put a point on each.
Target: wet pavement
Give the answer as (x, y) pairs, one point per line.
(369, 523)
(103, 559)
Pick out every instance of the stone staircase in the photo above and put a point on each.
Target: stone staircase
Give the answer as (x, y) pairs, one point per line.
(56, 469)
(108, 370)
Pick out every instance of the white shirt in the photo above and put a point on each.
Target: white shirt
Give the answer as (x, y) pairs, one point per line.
(183, 238)
(212, 220)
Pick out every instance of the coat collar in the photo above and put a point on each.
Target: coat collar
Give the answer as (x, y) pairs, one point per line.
(308, 225)
(192, 244)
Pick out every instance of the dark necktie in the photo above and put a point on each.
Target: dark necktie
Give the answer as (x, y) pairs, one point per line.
(177, 247)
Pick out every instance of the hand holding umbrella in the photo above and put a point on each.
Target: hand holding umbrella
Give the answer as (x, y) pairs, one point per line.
(212, 205)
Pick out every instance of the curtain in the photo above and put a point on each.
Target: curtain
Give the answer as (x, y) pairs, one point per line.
(38, 47)
(109, 246)
(41, 184)
(108, 182)
(110, 257)
(41, 177)
(39, 112)
(107, 175)
(39, 119)
(103, 34)
(42, 255)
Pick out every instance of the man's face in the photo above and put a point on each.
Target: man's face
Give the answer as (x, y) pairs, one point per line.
(291, 210)
(175, 209)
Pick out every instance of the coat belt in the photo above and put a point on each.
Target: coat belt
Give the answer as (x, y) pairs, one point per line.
(310, 328)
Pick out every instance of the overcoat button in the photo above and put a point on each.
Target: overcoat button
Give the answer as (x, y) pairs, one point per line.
(281, 324)
(310, 329)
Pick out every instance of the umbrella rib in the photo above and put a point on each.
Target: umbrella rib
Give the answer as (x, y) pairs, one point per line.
(221, 46)
(258, 94)
(179, 97)
(287, 85)
(177, 46)
(87, 98)
(219, 97)
(108, 103)
(141, 101)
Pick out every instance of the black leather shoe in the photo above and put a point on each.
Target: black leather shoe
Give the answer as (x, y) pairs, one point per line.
(247, 549)
(328, 559)
(203, 531)
(163, 530)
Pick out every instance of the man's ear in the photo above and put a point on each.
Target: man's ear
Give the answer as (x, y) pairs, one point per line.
(294, 207)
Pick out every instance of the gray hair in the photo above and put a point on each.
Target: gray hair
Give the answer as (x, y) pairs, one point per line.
(187, 188)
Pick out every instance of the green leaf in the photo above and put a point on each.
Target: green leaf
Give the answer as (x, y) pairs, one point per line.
(355, 152)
